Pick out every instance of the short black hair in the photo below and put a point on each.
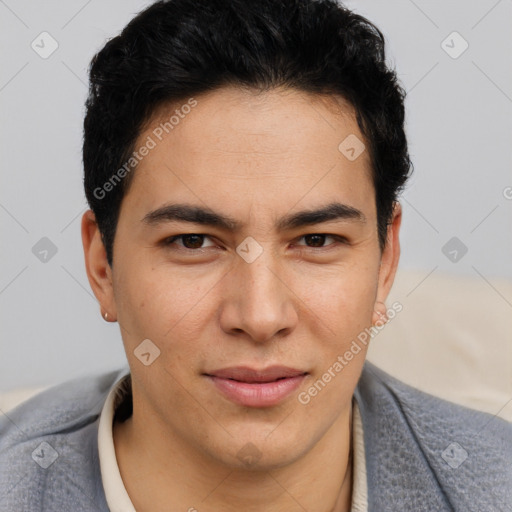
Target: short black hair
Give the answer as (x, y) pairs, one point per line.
(176, 49)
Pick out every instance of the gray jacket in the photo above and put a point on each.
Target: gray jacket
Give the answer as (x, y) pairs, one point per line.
(422, 453)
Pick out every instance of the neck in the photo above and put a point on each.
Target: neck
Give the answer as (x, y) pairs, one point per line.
(321, 480)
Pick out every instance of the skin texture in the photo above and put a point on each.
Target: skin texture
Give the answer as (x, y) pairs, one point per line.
(255, 157)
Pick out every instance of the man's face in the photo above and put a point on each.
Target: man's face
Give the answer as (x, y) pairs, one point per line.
(256, 294)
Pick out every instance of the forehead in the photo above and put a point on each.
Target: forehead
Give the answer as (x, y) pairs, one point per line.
(271, 148)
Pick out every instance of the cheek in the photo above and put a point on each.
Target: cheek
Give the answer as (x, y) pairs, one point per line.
(342, 298)
(344, 304)
(162, 306)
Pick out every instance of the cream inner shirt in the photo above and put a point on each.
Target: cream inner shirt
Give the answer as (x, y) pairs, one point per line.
(115, 491)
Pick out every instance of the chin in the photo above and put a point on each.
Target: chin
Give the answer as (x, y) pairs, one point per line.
(260, 451)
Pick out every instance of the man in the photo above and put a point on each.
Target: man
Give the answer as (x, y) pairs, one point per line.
(243, 161)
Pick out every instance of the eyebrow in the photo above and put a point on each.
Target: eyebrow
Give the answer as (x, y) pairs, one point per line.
(208, 217)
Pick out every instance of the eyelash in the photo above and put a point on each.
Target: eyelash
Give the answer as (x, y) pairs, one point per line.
(170, 241)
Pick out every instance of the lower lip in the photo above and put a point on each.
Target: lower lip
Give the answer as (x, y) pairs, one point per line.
(263, 394)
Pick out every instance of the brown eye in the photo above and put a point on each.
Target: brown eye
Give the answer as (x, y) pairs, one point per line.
(315, 240)
(188, 241)
(193, 241)
(321, 241)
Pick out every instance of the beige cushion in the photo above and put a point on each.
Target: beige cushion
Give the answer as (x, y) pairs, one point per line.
(452, 339)
(10, 399)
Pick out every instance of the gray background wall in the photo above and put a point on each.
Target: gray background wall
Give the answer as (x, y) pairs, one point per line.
(459, 126)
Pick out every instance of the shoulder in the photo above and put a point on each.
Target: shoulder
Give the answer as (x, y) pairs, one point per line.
(422, 444)
(48, 448)
(431, 413)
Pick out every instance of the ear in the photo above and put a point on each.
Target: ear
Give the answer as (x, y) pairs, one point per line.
(98, 270)
(389, 263)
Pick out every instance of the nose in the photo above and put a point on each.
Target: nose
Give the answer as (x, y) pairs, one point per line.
(258, 303)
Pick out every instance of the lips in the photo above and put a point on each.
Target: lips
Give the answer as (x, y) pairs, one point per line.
(245, 374)
(257, 388)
